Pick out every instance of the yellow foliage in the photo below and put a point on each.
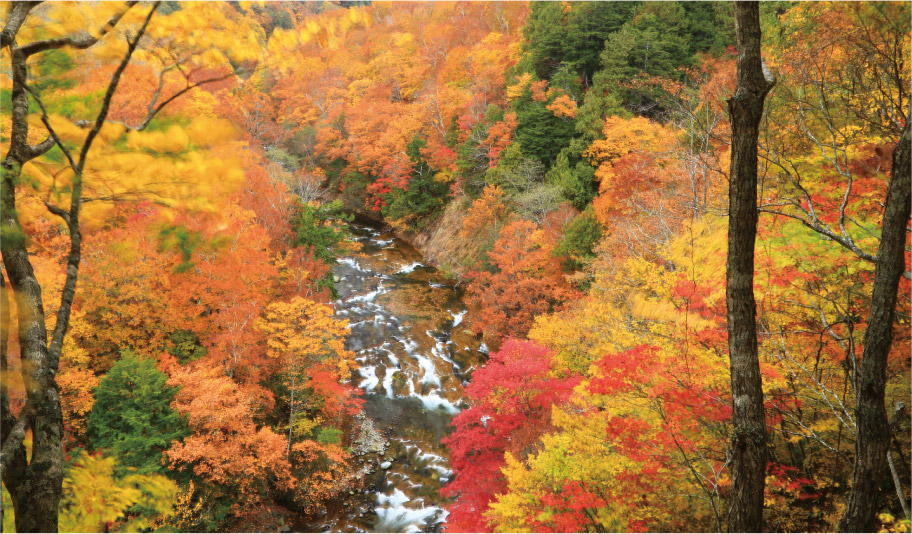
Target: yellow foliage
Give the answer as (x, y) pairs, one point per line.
(187, 506)
(302, 332)
(173, 140)
(580, 453)
(93, 496)
(623, 136)
(110, 50)
(206, 132)
(522, 83)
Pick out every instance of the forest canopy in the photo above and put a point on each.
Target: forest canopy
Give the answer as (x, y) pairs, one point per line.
(182, 187)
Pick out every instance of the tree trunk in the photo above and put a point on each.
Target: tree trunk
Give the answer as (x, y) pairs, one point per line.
(291, 414)
(34, 486)
(873, 437)
(748, 447)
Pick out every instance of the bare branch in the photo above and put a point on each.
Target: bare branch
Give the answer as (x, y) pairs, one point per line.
(52, 133)
(58, 212)
(37, 150)
(824, 230)
(153, 109)
(189, 87)
(13, 440)
(112, 88)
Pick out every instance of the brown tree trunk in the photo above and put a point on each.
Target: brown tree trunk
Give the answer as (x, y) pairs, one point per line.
(748, 447)
(34, 486)
(873, 437)
(35, 483)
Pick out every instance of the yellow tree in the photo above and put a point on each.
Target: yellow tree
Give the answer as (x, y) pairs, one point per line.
(71, 158)
(310, 344)
(93, 496)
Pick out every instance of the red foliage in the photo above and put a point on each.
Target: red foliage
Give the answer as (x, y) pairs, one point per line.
(569, 505)
(511, 400)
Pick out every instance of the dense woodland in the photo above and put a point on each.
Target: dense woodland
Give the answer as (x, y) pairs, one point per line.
(177, 177)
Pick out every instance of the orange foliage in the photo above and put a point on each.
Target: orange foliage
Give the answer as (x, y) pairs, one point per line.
(227, 447)
(486, 214)
(528, 282)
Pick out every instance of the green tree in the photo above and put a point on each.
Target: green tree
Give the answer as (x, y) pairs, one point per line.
(541, 134)
(319, 226)
(574, 176)
(660, 39)
(424, 195)
(576, 247)
(572, 37)
(132, 415)
(710, 26)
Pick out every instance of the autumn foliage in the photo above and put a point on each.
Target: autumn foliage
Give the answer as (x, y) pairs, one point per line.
(512, 397)
(528, 281)
(574, 156)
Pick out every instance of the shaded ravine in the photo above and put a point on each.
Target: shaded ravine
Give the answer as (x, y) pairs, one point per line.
(414, 353)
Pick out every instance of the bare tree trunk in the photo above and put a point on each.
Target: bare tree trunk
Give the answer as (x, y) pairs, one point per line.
(748, 447)
(873, 437)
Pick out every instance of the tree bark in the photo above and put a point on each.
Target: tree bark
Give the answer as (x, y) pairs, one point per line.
(35, 483)
(749, 439)
(34, 486)
(873, 437)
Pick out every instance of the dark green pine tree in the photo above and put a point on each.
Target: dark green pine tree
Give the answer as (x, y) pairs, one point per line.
(541, 134)
(132, 415)
(658, 41)
(572, 39)
(576, 248)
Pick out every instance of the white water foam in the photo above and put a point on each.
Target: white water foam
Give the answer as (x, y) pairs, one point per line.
(434, 401)
(405, 269)
(393, 516)
(388, 381)
(351, 263)
(370, 378)
(369, 297)
(430, 371)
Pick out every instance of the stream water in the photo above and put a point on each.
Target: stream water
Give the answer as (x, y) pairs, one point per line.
(414, 353)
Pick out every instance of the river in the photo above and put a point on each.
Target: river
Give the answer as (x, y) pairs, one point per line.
(414, 352)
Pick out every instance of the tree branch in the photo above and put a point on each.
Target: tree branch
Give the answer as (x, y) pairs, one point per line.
(822, 230)
(153, 109)
(69, 286)
(52, 134)
(58, 212)
(6, 418)
(17, 14)
(76, 42)
(112, 88)
(37, 150)
(13, 440)
(190, 87)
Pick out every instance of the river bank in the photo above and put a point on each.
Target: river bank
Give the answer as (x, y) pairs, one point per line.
(439, 241)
